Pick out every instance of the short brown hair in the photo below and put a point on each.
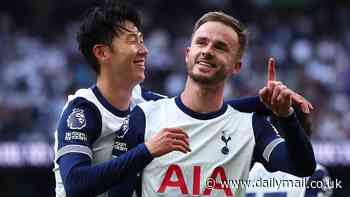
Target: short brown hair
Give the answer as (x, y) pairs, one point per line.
(228, 20)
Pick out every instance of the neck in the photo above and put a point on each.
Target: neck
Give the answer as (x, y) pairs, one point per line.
(203, 98)
(116, 91)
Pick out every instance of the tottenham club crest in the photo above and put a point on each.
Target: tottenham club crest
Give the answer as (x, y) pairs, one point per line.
(76, 119)
(225, 149)
(124, 128)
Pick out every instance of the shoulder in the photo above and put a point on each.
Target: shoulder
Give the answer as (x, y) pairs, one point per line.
(153, 106)
(238, 119)
(144, 116)
(141, 95)
(244, 117)
(233, 111)
(84, 96)
(80, 114)
(79, 126)
(81, 105)
(150, 110)
(86, 93)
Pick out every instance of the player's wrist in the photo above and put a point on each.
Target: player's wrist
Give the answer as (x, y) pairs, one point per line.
(285, 114)
(147, 149)
(150, 148)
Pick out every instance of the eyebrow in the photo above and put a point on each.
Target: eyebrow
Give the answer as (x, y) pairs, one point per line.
(201, 38)
(221, 44)
(216, 42)
(128, 30)
(137, 33)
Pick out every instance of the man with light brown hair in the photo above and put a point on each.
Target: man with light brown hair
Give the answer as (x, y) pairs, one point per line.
(224, 141)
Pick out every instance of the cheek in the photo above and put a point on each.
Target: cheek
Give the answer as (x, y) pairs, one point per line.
(228, 61)
(127, 55)
(192, 56)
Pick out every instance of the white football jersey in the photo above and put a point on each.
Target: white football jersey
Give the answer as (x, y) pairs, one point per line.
(223, 144)
(85, 105)
(222, 148)
(281, 184)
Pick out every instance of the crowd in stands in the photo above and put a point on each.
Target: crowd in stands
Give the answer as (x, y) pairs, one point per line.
(312, 51)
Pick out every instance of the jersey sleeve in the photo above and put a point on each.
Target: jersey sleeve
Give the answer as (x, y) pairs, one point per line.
(314, 188)
(249, 105)
(80, 178)
(134, 136)
(283, 154)
(117, 176)
(79, 126)
(266, 138)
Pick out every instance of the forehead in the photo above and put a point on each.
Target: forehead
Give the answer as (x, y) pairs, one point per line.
(129, 30)
(217, 31)
(130, 26)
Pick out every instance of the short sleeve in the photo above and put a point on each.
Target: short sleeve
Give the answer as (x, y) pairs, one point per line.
(78, 128)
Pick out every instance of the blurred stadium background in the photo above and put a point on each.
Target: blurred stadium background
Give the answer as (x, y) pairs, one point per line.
(40, 64)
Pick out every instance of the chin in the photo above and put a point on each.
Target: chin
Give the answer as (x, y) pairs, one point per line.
(201, 79)
(204, 76)
(208, 79)
(140, 78)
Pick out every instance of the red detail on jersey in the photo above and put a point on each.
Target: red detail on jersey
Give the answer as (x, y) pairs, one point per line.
(196, 180)
(219, 171)
(167, 182)
(180, 181)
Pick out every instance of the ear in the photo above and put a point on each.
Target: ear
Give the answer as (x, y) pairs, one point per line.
(237, 67)
(187, 51)
(101, 52)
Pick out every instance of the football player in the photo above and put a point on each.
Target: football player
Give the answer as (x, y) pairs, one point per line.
(223, 140)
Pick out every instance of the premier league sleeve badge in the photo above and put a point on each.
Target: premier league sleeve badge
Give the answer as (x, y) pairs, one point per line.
(76, 119)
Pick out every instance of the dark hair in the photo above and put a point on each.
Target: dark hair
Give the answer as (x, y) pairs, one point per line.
(235, 24)
(101, 24)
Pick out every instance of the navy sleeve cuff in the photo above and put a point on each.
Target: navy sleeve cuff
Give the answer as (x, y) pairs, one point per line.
(148, 157)
(297, 143)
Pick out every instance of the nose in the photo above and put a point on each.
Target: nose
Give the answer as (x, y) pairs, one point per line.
(207, 52)
(143, 50)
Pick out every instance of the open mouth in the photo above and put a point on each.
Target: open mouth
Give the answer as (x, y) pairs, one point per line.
(206, 64)
(139, 62)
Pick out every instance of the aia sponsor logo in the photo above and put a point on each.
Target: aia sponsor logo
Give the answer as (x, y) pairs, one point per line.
(174, 178)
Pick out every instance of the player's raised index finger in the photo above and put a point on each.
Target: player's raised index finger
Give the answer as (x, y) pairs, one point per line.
(271, 75)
